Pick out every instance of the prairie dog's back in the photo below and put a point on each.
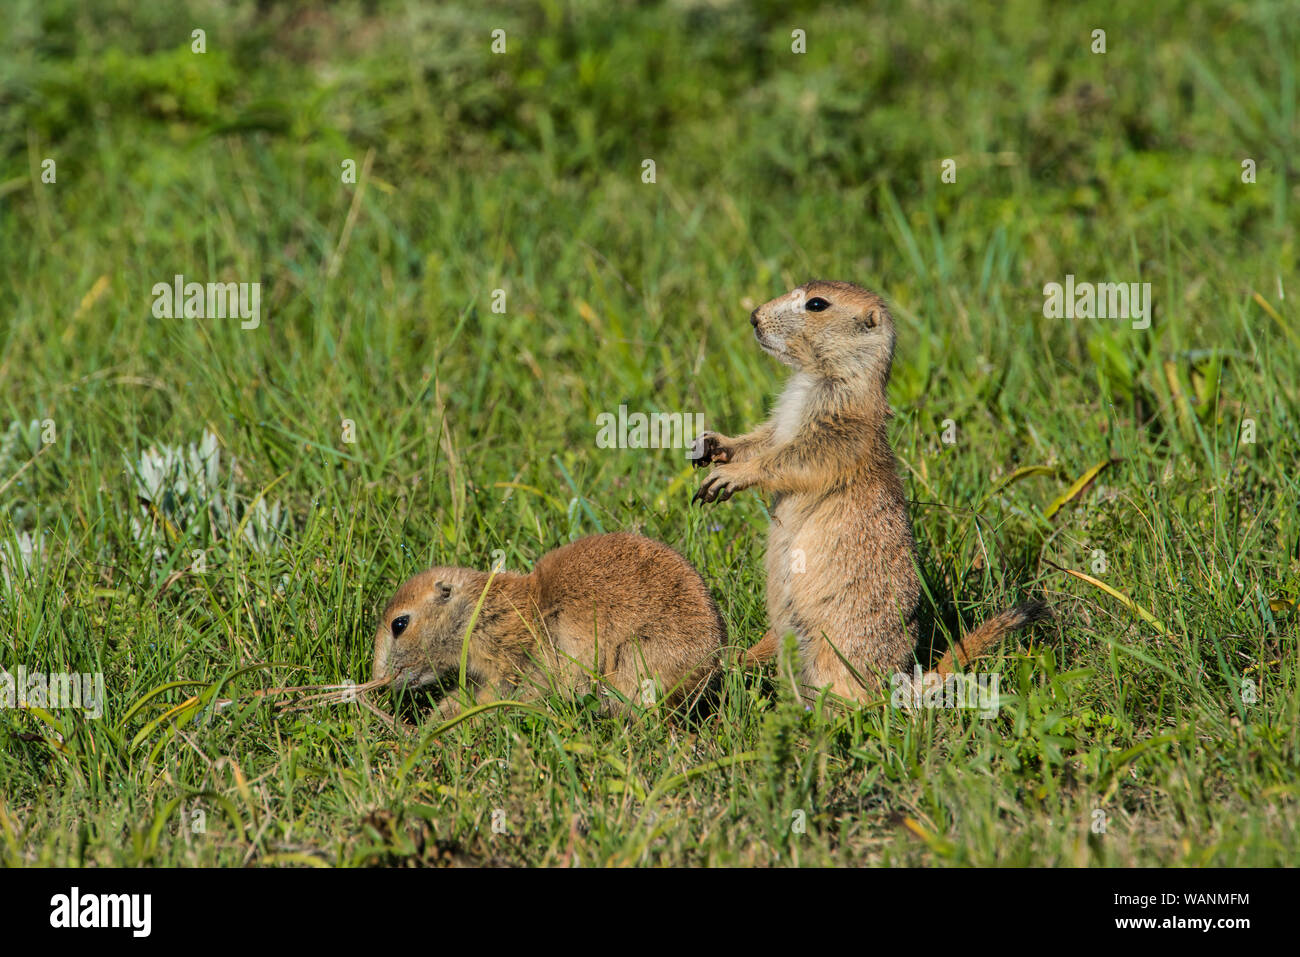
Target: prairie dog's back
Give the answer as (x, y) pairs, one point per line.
(631, 605)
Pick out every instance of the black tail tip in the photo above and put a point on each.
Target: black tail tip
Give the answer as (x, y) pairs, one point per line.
(1036, 610)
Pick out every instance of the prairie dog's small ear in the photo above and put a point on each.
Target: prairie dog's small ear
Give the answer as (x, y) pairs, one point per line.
(870, 317)
(441, 591)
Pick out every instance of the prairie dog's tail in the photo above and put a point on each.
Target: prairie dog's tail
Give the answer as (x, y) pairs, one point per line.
(762, 652)
(990, 633)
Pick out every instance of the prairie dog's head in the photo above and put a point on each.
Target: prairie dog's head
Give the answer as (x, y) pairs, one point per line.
(827, 327)
(420, 633)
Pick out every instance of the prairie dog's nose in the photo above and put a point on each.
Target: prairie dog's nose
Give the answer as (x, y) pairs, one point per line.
(753, 318)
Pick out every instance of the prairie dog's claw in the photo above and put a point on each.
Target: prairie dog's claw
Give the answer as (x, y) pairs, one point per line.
(707, 449)
(719, 486)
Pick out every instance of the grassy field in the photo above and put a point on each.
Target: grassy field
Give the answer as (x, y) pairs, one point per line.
(391, 410)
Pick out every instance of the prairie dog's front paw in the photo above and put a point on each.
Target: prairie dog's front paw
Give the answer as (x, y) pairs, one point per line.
(723, 482)
(710, 447)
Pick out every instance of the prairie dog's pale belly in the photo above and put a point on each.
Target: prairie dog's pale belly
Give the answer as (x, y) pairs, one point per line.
(800, 550)
(841, 564)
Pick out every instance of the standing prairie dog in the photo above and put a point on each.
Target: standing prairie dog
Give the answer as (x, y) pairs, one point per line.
(840, 554)
(615, 611)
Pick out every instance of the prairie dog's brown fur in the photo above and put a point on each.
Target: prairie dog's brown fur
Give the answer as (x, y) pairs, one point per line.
(840, 554)
(617, 610)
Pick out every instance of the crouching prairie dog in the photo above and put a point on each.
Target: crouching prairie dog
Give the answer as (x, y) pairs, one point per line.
(615, 613)
(841, 572)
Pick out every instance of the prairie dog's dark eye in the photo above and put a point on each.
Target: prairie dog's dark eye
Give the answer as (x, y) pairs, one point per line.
(399, 624)
(817, 304)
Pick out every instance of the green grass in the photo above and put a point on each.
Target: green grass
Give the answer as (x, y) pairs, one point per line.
(475, 430)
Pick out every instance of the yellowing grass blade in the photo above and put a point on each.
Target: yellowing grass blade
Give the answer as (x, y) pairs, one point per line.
(153, 693)
(1122, 598)
(1264, 304)
(185, 707)
(54, 724)
(1078, 488)
(933, 841)
(89, 299)
(1178, 395)
(1025, 471)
